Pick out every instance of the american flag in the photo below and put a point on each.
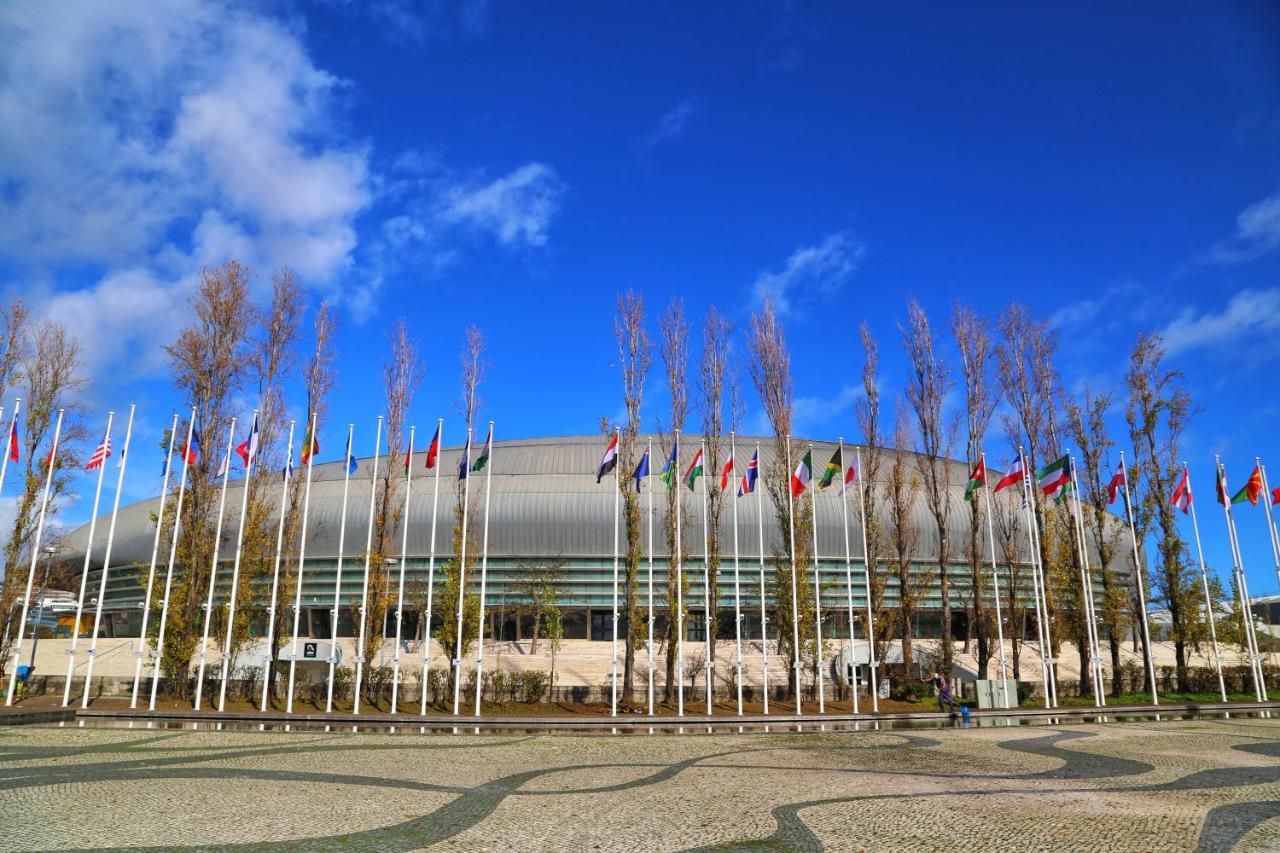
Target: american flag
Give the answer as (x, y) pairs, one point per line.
(100, 455)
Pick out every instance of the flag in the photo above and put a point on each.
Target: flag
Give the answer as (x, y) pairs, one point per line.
(13, 440)
(668, 470)
(642, 470)
(850, 477)
(100, 455)
(192, 450)
(408, 458)
(248, 449)
(352, 465)
(726, 473)
(1117, 480)
(748, 484)
(1181, 497)
(977, 479)
(833, 468)
(462, 463)
(803, 474)
(610, 459)
(1251, 489)
(48, 460)
(1012, 478)
(310, 446)
(1275, 496)
(434, 450)
(694, 470)
(1221, 484)
(287, 470)
(224, 466)
(483, 459)
(1055, 478)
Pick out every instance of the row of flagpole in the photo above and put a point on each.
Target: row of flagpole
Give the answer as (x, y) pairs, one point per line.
(1053, 480)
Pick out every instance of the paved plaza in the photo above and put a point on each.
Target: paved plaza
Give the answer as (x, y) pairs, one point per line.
(1175, 785)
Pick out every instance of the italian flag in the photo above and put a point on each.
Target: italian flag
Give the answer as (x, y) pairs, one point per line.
(977, 479)
(803, 474)
(832, 471)
(695, 470)
(1013, 478)
(1055, 478)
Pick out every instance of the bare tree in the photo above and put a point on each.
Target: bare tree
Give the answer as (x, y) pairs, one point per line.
(901, 491)
(673, 346)
(867, 413)
(712, 368)
(14, 320)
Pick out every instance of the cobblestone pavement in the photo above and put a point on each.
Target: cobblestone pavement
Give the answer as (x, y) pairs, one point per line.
(1180, 785)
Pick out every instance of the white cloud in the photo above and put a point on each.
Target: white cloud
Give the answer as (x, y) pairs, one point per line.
(811, 273)
(516, 209)
(810, 414)
(1257, 233)
(1251, 318)
(670, 126)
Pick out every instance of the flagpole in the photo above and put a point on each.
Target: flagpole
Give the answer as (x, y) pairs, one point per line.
(866, 579)
(84, 572)
(817, 591)
(275, 570)
(1086, 588)
(1028, 513)
(173, 554)
(1271, 522)
(484, 573)
(1037, 564)
(35, 555)
(737, 586)
(431, 567)
(764, 619)
(8, 438)
(1242, 588)
(151, 572)
(337, 581)
(1138, 572)
(675, 473)
(995, 583)
(617, 497)
(708, 604)
(795, 607)
(368, 556)
(462, 572)
(649, 454)
(213, 569)
(310, 440)
(404, 558)
(251, 456)
(848, 580)
(1204, 583)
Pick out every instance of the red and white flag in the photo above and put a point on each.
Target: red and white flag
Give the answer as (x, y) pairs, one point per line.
(727, 472)
(1013, 478)
(850, 477)
(100, 455)
(1117, 482)
(1181, 497)
(13, 440)
(248, 449)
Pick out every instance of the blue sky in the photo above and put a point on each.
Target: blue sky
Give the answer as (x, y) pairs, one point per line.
(517, 165)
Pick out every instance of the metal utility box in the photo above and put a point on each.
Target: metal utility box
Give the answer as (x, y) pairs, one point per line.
(990, 693)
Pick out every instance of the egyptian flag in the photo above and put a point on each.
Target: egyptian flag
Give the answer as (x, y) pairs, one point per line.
(642, 470)
(610, 459)
(977, 479)
(726, 472)
(1252, 489)
(13, 440)
(748, 484)
(248, 449)
(833, 468)
(1013, 478)
(434, 450)
(1181, 497)
(1117, 481)
(803, 474)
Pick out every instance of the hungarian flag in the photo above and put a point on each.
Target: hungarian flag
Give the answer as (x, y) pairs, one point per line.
(13, 440)
(610, 459)
(100, 455)
(1055, 478)
(1013, 478)
(434, 450)
(669, 470)
(977, 479)
(1251, 491)
(248, 449)
(748, 484)
(850, 477)
(642, 469)
(310, 446)
(833, 469)
(1181, 497)
(192, 450)
(483, 459)
(803, 474)
(694, 470)
(1117, 481)
(726, 472)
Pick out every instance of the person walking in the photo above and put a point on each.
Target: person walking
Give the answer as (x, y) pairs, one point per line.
(945, 699)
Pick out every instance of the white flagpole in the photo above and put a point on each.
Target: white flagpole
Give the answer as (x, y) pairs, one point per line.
(106, 559)
(1037, 567)
(84, 572)
(737, 572)
(213, 568)
(4, 444)
(708, 604)
(1271, 522)
(848, 578)
(995, 582)
(1138, 572)
(173, 554)
(310, 440)
(764, 619)
(235, 564)
(462, 573)
(795, 607)
(675, 483)
(1028, 518)
(404, 558)
(337, 580)
(817, 589)
(1242, 589)
(35, 554)
(1086, 588)
(649, 477)
(484, 572)
(275, 570)
(431, 569)
(1204, 583)
(866, 579)
(151, 572)
(617, 497)
(368, 555)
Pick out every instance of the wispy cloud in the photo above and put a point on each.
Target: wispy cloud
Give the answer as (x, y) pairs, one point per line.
(516, 209)
(812, 414)
(1257, 233)
(414, 21)
(1250, 319)
(812, 273)
(671, 125)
